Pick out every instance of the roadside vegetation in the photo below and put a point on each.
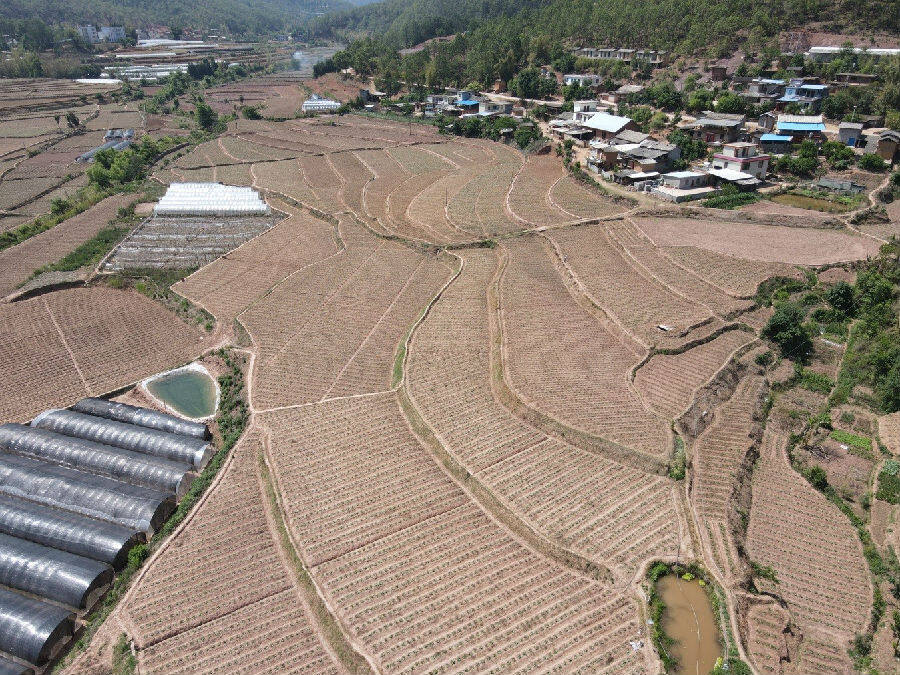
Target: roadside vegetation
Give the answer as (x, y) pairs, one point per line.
(862, 316)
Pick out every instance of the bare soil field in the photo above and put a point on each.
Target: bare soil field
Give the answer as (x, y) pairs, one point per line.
(637, 301)
(718, 455)
(668, 382)
(230, 284)
(201, 607)
(24, 95)
(767, 207)
(401, 180)
(464, 367)
(347, 315)
(889, 431)
(562, 361)
(437, 585)
(84, 341)
(736, 276)
(814, 551)
(19, 262)
(766, 243)
(582, 506)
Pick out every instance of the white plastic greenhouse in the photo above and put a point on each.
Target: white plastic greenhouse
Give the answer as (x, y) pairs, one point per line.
(204, 199)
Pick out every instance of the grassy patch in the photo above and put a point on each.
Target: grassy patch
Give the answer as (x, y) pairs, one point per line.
(679, 461)
(889, 482)
(852, 440)
(731, 201)
(156, 285)
(812, 381)
(766, 291)
(352, 660)
(817, 201)
(84, 199)
(89, 253)
(123, 661)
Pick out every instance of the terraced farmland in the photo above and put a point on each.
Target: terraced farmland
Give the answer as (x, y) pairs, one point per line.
(815, 553)
(85, 341)
(437, 586)
(574, 503)
(467, 373)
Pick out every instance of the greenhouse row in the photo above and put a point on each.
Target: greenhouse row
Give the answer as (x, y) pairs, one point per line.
(199, 199)
(78, 489)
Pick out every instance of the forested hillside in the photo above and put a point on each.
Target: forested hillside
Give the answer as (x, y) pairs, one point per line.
(236, 16)
(681, 25)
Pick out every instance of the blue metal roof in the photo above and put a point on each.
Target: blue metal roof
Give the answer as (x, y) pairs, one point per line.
(801, 126)
(814, 86)
(775, 138)
(467, 102)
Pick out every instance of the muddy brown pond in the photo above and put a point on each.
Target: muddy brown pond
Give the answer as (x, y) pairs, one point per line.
(690, 621)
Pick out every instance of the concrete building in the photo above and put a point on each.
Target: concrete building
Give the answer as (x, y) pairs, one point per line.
(806, 95)
(685, 180)
(582, 80)
(112, 33)
(494, 107)
(89, 34)
(762, 89)
(742, 157)
(776, 144)
(604, 125)
(801, 127)
(656, 57)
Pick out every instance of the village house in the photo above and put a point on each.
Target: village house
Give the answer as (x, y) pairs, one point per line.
(744, 182)
(718, 73)
(494, 108)
(850, 133)
(742, 157)
(685, 180)
(603, 125)
(776, 144)
(850, 80)
(683, 186)
(830, 53)
(622, 93)
(885, 144)
(582, 80)
(801, 127)
(760, 90)
(716, 128)
(656, 57)
(633, 150)
(767, 121)
(808, 96)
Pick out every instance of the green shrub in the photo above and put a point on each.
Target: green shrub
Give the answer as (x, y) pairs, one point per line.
(812, 381)
(889, 482)
(731, 201)
(764, 359)
(872, 162)
(785, 328)
(817, 477)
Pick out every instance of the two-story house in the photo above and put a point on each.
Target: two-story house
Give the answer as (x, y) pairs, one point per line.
(742, 157)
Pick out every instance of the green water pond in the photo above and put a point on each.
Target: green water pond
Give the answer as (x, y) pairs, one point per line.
(191, 393)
